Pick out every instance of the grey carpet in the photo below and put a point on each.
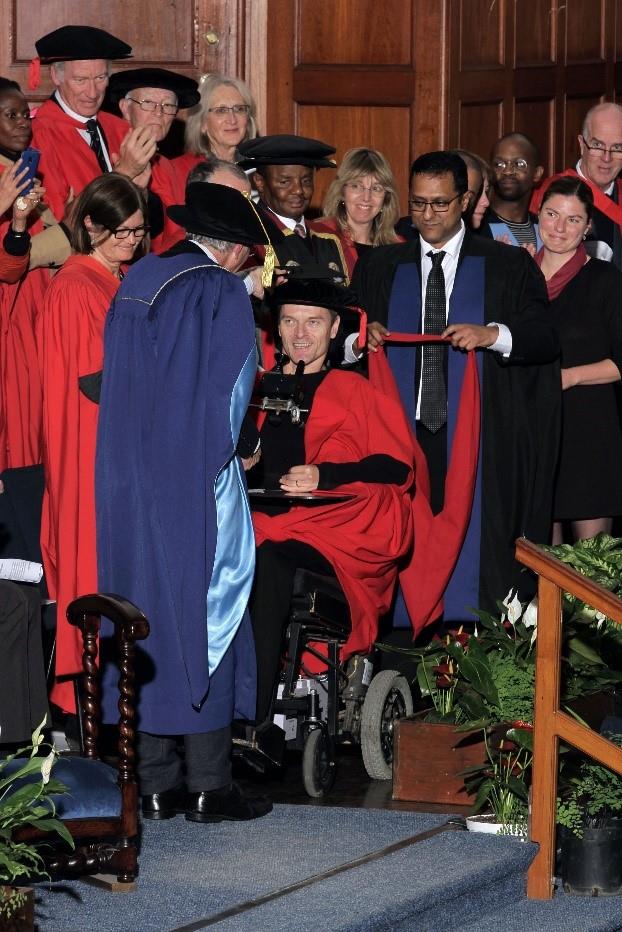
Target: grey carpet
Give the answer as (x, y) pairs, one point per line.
(188, 871)
(452, 881)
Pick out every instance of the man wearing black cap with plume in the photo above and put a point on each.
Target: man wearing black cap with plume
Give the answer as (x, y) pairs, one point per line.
(151, 98)
(174, 532)
(284, 177)
(76, 141)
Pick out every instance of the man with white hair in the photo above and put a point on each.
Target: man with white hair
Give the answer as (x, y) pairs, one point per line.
(76, 141)
(600, 144)
(150, 98)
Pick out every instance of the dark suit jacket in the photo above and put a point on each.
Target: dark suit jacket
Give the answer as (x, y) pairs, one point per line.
(521, 398)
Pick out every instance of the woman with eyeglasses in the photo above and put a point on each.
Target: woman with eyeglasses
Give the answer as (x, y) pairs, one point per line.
(585, 301)
(223, 119)
(108, 230)
(361, 205)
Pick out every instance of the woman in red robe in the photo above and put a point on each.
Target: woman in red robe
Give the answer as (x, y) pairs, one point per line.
(109, 226)
(361, 205)
(32, 231)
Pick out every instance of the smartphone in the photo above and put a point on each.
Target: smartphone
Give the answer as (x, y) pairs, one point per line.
(30, 160)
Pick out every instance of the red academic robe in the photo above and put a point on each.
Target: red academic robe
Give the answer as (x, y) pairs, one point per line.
(67, 160)
(366, 537)
(71, 345)
(21, 299)
(168, 181)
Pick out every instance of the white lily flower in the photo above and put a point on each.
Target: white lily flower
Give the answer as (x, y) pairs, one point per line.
(46, 767)
(513, 607)
(530, 616)
(600, 619)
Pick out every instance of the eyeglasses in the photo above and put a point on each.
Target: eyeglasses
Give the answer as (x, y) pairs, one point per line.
(150, 106)
(357, 187)
(124, 232)
(236, 110)
(515, 165)
(615, 151)
(438, 206)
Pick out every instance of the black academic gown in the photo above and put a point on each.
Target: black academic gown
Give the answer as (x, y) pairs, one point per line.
(521, 399)
(317, 248)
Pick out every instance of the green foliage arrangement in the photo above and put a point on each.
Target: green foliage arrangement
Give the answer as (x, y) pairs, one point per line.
(26, 802)
(591, 795)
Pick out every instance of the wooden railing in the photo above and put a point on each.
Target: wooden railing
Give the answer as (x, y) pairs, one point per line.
(550, 723)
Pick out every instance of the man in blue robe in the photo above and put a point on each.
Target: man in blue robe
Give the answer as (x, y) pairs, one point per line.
(174, 531)
(492, 299)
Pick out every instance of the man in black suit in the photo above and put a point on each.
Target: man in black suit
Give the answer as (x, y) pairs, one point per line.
(482, 296)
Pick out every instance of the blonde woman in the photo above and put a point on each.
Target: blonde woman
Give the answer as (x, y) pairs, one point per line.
(223, 119)
(361, 205)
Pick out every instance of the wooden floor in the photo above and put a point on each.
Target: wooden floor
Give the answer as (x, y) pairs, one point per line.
(352, 786)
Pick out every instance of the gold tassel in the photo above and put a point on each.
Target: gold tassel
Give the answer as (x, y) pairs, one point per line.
(269, 261)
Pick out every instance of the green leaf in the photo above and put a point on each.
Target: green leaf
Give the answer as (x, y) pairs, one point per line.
(577, 646)
(523, 737)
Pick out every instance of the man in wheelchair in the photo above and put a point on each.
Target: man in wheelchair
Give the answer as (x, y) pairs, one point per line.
(335, 476)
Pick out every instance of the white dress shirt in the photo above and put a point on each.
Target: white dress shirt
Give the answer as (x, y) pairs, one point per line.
(503, 343)
(84, 132)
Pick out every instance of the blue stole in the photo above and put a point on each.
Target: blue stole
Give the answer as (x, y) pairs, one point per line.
(466, 305)
(499, 229)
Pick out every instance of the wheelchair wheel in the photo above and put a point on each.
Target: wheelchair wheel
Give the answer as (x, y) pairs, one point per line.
(388, 699)
(318, 764)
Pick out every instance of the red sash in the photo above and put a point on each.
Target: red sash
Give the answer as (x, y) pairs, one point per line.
(438, 538)
(601, 201)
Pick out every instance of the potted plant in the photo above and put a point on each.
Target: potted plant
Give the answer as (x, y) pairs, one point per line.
(473, 682)
(26, 790)
(589, 813)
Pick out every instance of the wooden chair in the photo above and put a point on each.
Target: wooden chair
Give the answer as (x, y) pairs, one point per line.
(101, 808)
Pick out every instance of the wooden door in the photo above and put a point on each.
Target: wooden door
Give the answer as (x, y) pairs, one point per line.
(536, 66)
(354, 73)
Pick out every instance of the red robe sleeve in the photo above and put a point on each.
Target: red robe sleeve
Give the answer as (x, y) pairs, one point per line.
(71, 345)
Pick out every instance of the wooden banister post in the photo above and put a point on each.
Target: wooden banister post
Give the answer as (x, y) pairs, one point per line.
(546, 743)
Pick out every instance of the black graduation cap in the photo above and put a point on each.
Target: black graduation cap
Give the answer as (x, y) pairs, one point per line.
(186, 89)
(80, 43)
(315, 292)
(221, 212)
(285, 150)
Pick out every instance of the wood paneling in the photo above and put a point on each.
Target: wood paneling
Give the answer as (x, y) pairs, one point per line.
(380, 128)
(480, 33)
(559, 57)
(354, 32)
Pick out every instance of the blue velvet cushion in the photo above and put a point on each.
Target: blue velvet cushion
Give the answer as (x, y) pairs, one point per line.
(92, 786)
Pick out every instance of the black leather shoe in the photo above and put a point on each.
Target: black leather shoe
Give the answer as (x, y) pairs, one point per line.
(226, 804)
(164, 805)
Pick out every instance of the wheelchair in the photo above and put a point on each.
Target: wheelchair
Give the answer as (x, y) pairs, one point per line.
(335, 702)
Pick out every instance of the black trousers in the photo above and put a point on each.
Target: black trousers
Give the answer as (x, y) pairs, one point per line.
(207, 757)
(276, 567)
(23, 693)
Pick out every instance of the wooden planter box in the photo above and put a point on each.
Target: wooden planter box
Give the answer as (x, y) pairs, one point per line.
(427, 760)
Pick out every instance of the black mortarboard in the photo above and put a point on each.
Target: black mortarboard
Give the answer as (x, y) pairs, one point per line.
(80, 43)
(221, 212)
(315, 292)
(285, 150)
(186, 89)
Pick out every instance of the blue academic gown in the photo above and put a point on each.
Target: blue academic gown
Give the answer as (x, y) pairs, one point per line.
(174, 531)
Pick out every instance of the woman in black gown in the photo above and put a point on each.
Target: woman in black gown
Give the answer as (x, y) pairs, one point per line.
(586, 296)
